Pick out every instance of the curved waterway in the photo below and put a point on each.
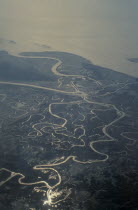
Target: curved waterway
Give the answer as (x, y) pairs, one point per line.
(45, 187)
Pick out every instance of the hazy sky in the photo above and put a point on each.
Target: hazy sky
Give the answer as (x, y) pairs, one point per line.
(105, 31)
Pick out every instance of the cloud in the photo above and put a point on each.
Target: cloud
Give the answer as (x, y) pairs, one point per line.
(2, 40)
(12, 42)
(43, 45)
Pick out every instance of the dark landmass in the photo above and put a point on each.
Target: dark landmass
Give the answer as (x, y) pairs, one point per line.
(81, 125)
(134, 60)
(13, 68)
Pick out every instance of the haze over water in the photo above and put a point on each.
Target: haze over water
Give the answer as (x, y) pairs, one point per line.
(104, 31)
